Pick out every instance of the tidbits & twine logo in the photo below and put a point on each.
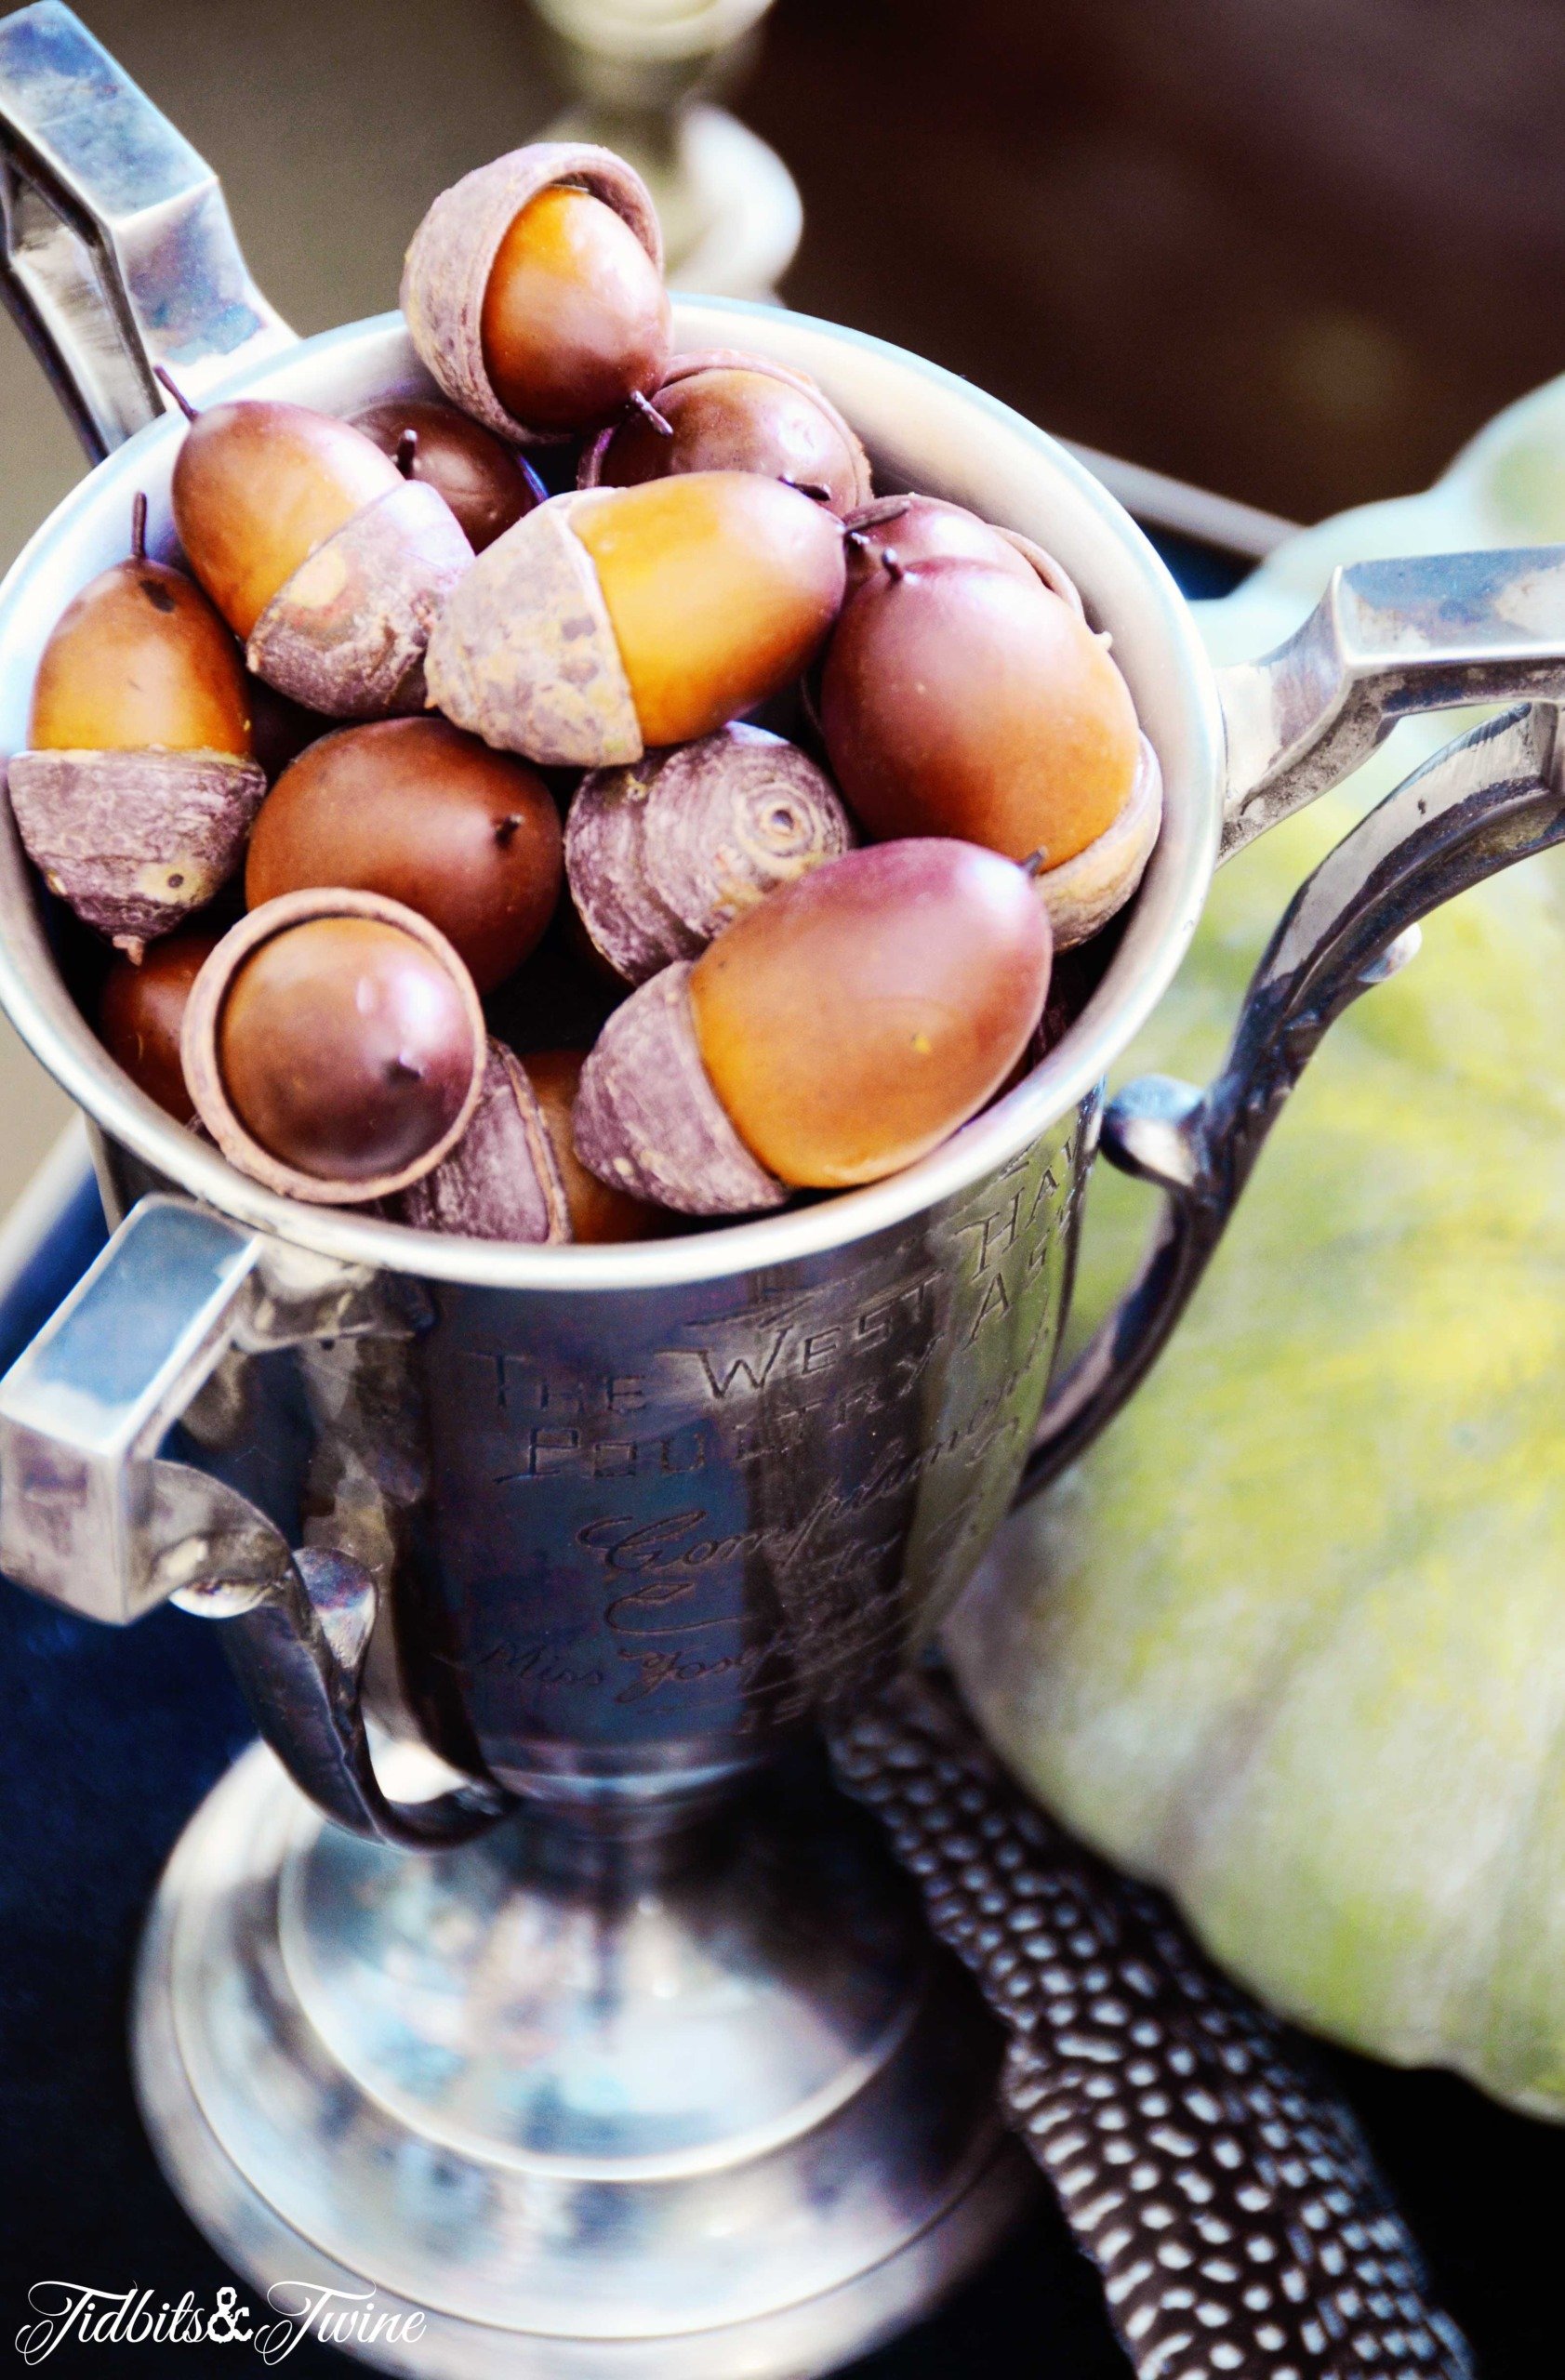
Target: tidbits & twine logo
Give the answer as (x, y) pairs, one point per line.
(299, 2311)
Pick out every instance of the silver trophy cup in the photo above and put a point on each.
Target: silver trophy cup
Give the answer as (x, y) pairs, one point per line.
(556, 2009)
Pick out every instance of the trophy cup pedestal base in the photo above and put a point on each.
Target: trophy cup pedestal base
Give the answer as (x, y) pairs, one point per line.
(709, 2111)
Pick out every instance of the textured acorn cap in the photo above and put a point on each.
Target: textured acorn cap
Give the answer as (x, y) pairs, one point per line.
(501, 1179)
(524, 653)
(1086, 892)
(198, 1044)
(647, 1120)
(346, 634)
(660, 856)
(452, 255)
(735, 359)
(135, 841)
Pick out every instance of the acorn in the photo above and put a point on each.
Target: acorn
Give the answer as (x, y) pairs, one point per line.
(1082, 896)
(319, 554)
(721, 410)
(534, 294)
(141, 1011)
(920, 528)
(662, 856)
(333, 1046)
(487, 483)
(619, 618)
(959, 698)
(838, 1031)
(597, 1212)
(501, 1181)
(138, 786)
(414, 810)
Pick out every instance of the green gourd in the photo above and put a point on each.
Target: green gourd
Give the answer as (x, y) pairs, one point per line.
(1291, 1639)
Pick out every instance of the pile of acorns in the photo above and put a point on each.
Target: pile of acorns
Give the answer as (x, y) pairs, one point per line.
(840, 949)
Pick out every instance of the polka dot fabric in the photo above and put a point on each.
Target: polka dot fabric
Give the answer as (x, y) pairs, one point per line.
(1228, 2200)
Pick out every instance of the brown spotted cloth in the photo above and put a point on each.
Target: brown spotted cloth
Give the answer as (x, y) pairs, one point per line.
(1226, 2196)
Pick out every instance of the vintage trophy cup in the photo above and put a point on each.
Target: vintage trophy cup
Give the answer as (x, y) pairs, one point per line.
(555, 2006)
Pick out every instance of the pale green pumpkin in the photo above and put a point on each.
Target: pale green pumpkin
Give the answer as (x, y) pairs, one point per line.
(1291, 1639)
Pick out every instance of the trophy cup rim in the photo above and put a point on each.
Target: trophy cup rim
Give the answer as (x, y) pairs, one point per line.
(924, 425)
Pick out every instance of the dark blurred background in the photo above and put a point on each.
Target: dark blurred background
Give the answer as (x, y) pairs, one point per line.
(1293, 250)
(1296, 251)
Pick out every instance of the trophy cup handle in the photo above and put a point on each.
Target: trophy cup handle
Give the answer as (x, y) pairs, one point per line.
(96, 1517)
(116, 250)
(1495, 796)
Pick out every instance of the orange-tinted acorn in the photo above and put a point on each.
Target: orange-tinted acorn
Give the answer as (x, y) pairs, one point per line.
(621, 618)
(334, 1047)
(415, 810)
(141, 1011)
(719, 410)
(487, 483)
(533, 291)
(138, 787)
(838, 1031)
(958, 698)
(317, 552)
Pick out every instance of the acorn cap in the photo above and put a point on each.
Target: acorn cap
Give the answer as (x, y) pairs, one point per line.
(1086, 892)
(346, 634)
(1054, 575)
(452, 255)
(660, 856)
(198, 1044)
(735, 359)
(524, 653)
(501, 1181)
(647, 1120)
(135, 841)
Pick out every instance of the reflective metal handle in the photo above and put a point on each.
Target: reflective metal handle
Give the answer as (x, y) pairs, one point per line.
(1493, 797)
(1386, 639)
(95, 1517)
(118, 252)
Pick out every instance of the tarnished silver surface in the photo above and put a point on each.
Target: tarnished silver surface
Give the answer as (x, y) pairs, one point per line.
(735, 2116)
(1223, 2191)
(1385, 639)
(118, 253)
(1493, 797)
(604, 1527)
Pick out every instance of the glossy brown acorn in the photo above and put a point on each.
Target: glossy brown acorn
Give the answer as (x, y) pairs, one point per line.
(621, 618)
(139, 784)
(663, 856)
(719, 410)
(414, 808)
(958, 698)
(924, 528)
(333, 1046)
(487, 483)
(839, 1031)
(141, 1010)
(533, 291)
(317, 552)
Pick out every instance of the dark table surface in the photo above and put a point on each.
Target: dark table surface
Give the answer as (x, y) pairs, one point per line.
(110, 1740)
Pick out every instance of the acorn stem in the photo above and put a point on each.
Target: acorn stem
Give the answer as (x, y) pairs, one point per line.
(892, 563)
(138, 526)
(649, 412)
(507, 828)
(161, 372)
(815, 489)
(1035, 864)
(407, 452)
